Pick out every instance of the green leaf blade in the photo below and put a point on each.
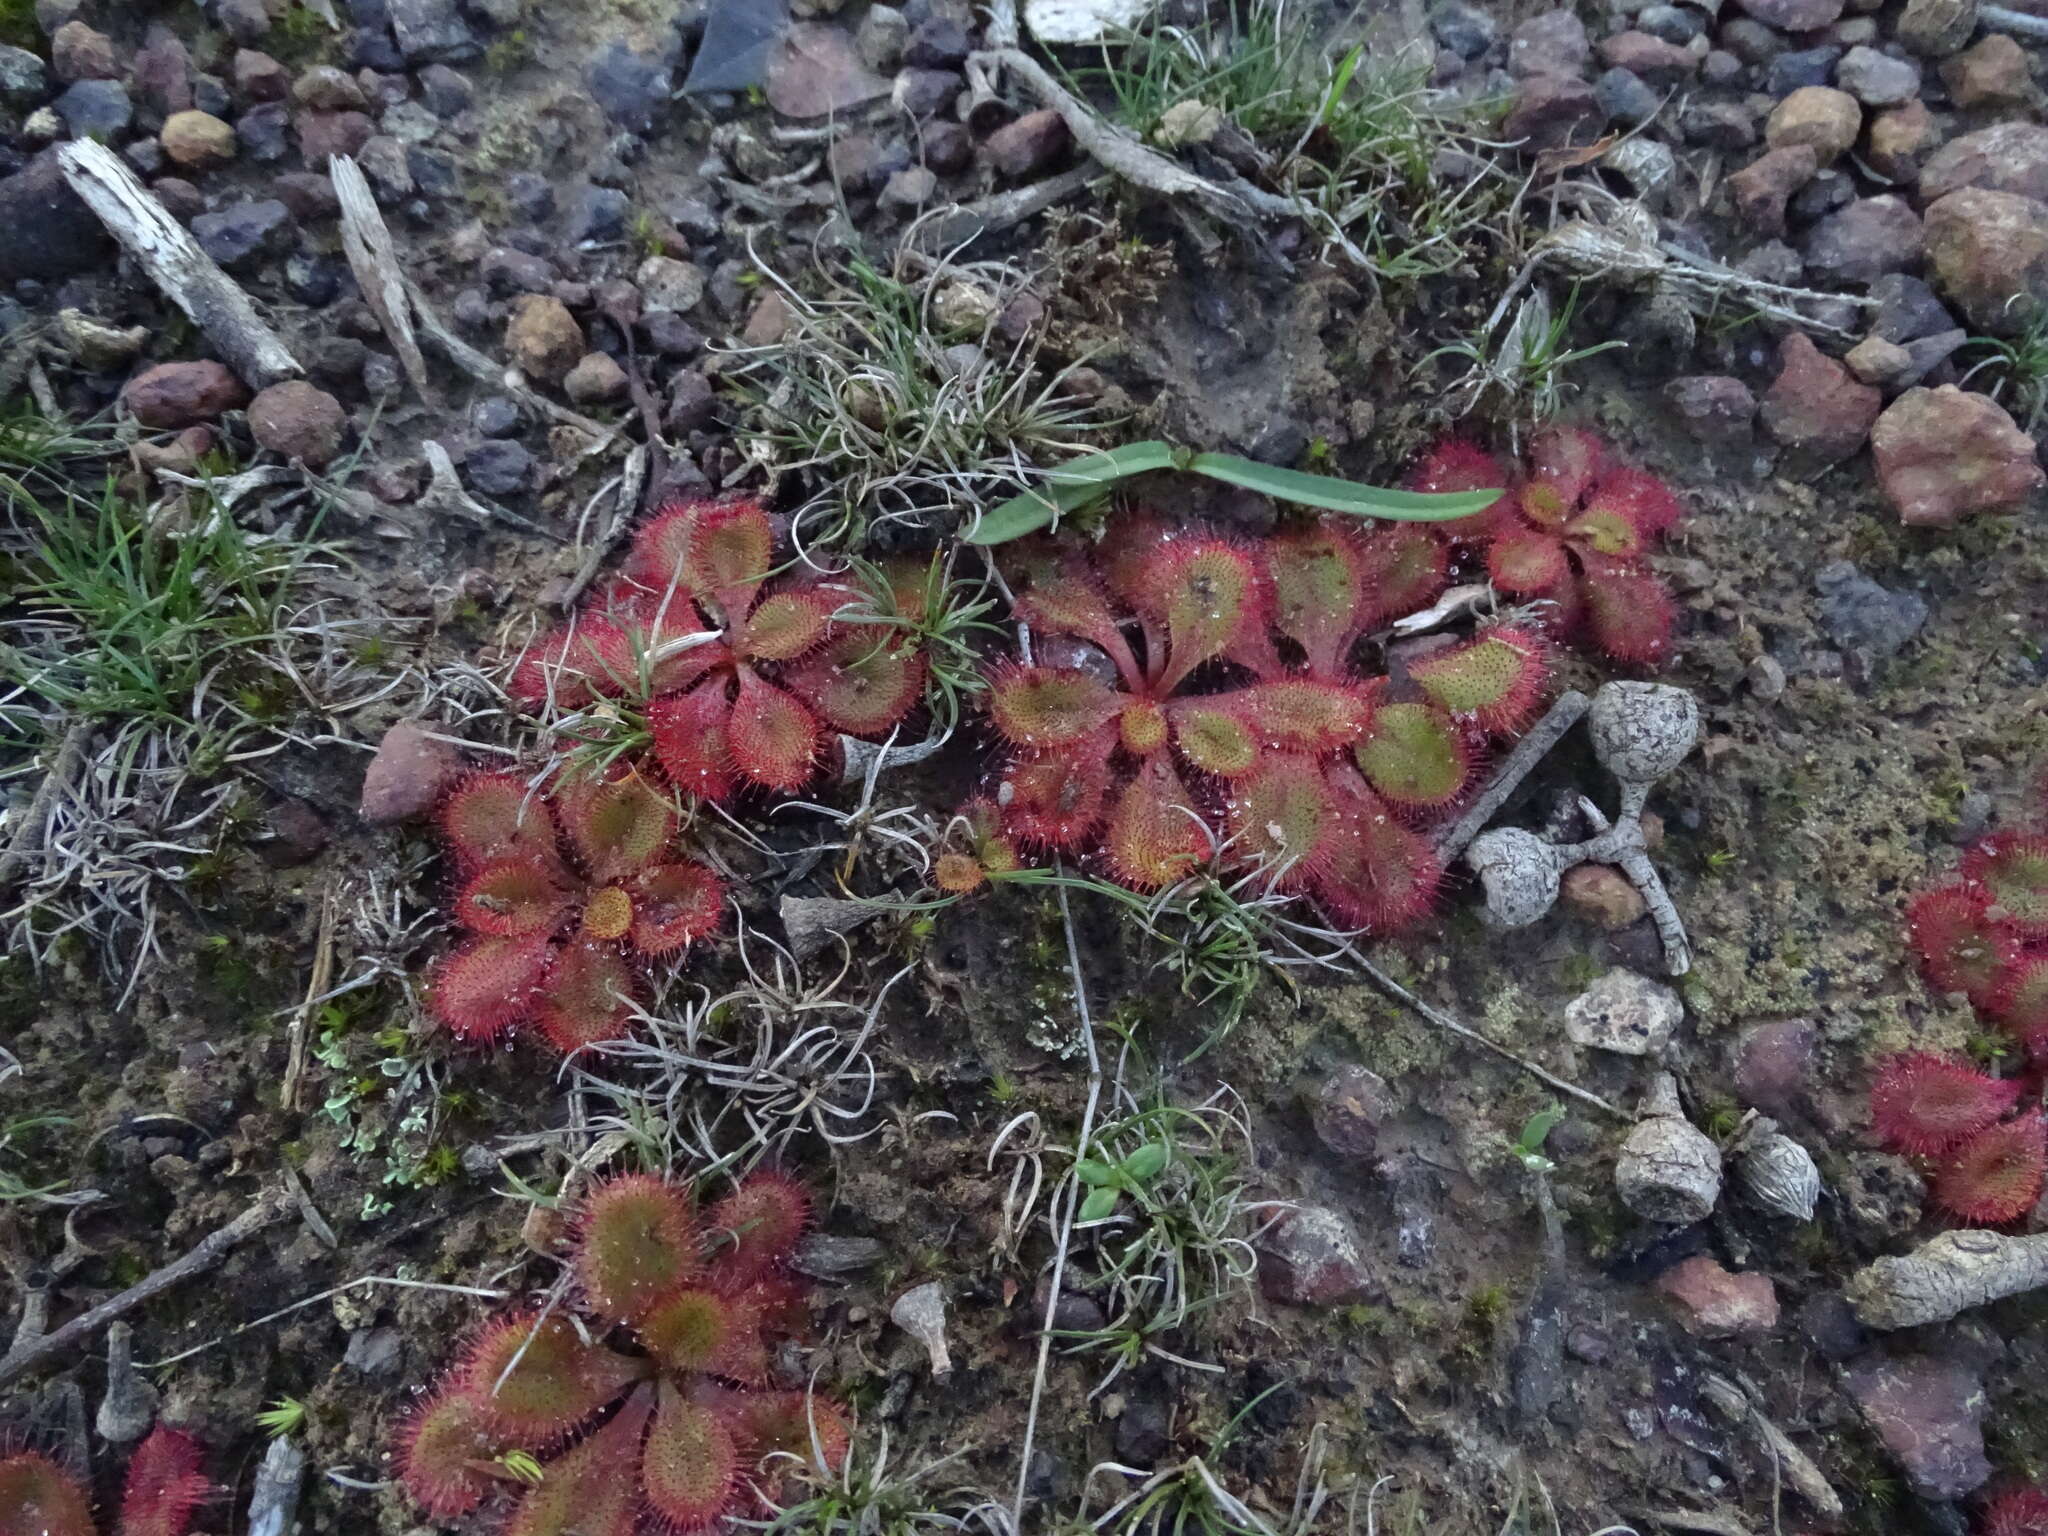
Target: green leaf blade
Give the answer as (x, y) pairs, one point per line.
(1333, 495)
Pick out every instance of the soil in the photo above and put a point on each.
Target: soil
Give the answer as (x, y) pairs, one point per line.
(1793, 837)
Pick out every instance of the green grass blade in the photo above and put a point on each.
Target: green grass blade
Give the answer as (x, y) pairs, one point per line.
(1341, 495)
(1071, 485)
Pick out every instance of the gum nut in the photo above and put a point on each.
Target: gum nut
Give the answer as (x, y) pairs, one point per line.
(1519, 871)
(1641, 731)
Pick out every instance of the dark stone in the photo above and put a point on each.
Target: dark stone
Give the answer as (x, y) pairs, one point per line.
(1773, 1067)
(1551, 43)
(241, 234)
(1674, 23)
(1626, 99)
(1867, 621)
(337, 359)
(670, 335)
(505, 271)
(1928, 1410)
(1809, 66)
(1723, 125)
(433, 173)
(1144, 1430)
(447, 92)
(1828, 1323)
(182, 201)
(263, 132)
(210, 94)
(1721, 68)
(939, 43)
(494, 416)
(946, 147)
(96, 109)
(1864, 240)
(530, 197)
(1466, 30)
(314, 281)
(632, 87)
(597, 214)
(50, 233)
(309, 196)
(498, 467)
(1827, 191)
(690, 403)
(432, 32)
(1348, 1111)
(1716, 409)
(1032, 144)
(1751, 41)
(145, 157)
(1553, 112)
(1907, 309)
(23, 80)
(926, 92)
(374, 50)
(862, 162)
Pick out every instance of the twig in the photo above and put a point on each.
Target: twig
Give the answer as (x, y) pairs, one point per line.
(188, 276)
(1515, 767)
(327, 1295)
(1072, 1187)
(302, 1022)
(485, 370)
(366, 240)
(27, 839)
(445, 492)
(632, 486)
(1119, 151)
(947, 229)
(1999, 18)
(1443, 1020)
(270, 1208)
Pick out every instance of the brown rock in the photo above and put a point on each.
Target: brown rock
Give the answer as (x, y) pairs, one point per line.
(1815, 407)
(1028, 145)
(1553, 112)
(1901, 139)
(1312, 1257)
(322, 134)
(1713, 1303)
(259, 77)
(408, 775)
(2006, 157)
(1819, 116)
(543, 337)
(1349, 1110)
(77, 52)
(814, 70)
(324, 88)
(1989, 252)
(1774, 1067)
(1993, 74)
(769, 322)
(1944, 455)
(1934, 29)
(1877, 361)
(1602, 895)
(1795, 15)
(1929, 1413)
(173, 395)
(197, 141)
(595, 380)
(1762, 188)
(1649, 58)
(298, 421)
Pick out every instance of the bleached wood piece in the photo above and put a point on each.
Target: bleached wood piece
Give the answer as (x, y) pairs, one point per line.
(366, 240)
(1953, 1273)
(188, 276)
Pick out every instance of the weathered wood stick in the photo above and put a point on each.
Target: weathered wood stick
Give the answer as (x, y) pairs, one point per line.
(1955, 1272)
(271, 1207)
(175, 263)
(366, 240)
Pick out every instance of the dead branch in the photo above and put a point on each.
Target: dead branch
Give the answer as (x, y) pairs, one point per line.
(366, 239)
(188, 276)
(271, 1207)
(29, 833)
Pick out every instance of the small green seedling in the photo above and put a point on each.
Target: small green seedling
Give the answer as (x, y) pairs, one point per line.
(1535, 1131)
(1108, 1181)
(285, 1417)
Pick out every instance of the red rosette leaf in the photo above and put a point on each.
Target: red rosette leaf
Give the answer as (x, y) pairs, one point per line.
(638, 1241)
(2012, 868)
(762, 1219)
(773, 738)
(1994, 1177)
(164, 1485)
(491, 816)
(484, 988)
(1629, 613)
(1923, 1104)
(863, 682)
(39, 1498)
(587, 996)
(1055, 801)
(691, 741)
(674, 905)
(510, 898)
(1155, 836)
(689, 1465)
(445, 1452)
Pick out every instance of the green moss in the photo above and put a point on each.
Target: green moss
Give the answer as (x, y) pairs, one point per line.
(18, 27)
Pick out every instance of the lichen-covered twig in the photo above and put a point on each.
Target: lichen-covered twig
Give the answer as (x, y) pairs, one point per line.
(26, 840)
(165, 250)
(275, 1499)
(1950, 1275)
(1790, 1463)
(1515, 767)
(271, 1207)
(2000, 18)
